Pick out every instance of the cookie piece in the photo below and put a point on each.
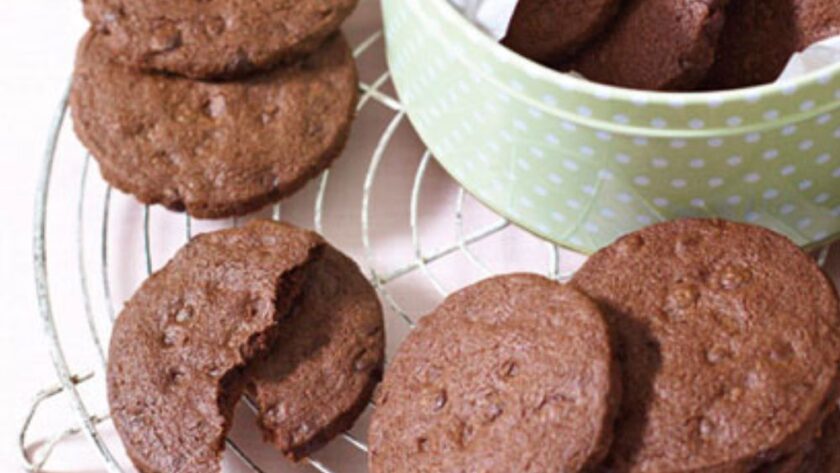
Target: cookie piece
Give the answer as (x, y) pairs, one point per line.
(515, 373)
(760, 36)
(214, 149)
(548, 31)
(656, 45)
(180, 345)
(217, 38)
(730, 341)
(326, 362)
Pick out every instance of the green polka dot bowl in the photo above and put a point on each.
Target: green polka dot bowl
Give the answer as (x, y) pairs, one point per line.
(581, 163)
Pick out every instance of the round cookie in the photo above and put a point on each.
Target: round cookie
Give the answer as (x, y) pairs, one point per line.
(655, 45)
(730, 340)
(214, 39)
(515, 373)
(180, 345)
(760, 36)
(326, 362)
(214, 149)
(548, 31)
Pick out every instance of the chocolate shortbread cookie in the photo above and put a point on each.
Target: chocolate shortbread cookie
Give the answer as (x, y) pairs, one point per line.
(655, 45)
(760, 36)
(730, 340)
(326, 362)
(180, 345)
(214, 38)
(515, 373)
(548, 31)
(214, 149)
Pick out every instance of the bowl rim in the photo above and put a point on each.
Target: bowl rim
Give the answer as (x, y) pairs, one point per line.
(571, 82)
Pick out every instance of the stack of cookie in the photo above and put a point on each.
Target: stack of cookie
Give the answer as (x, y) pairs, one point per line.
(216, 107)
(690, 346)
(266, 309)
(671, 44)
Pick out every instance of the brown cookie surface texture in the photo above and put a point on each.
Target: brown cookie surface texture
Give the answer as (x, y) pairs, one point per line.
(655, 45)
(180, 345)
(515, 373)
(548, 31)
(326, 361)
(760, 36)
(730, 342)
(214, 38)
(214, 149)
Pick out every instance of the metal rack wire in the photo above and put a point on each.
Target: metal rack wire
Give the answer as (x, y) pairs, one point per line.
(71, 379)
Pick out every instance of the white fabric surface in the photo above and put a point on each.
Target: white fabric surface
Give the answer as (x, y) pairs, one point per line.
(37, 40)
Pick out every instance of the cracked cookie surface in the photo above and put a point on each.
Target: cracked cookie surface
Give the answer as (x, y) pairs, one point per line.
(326, 361)
(548, 31)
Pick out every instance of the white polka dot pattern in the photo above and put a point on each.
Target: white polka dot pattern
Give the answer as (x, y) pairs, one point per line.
(583, 164)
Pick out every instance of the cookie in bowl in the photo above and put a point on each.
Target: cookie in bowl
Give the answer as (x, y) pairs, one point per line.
(549, 31)
(655, 45)
(760, 36)
(326, 361)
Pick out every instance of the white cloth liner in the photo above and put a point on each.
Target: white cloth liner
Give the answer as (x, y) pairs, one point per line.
(493, 16)
(819, 55)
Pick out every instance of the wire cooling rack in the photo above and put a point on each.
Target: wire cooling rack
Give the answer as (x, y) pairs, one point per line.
(79, 386)
(95, 262)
